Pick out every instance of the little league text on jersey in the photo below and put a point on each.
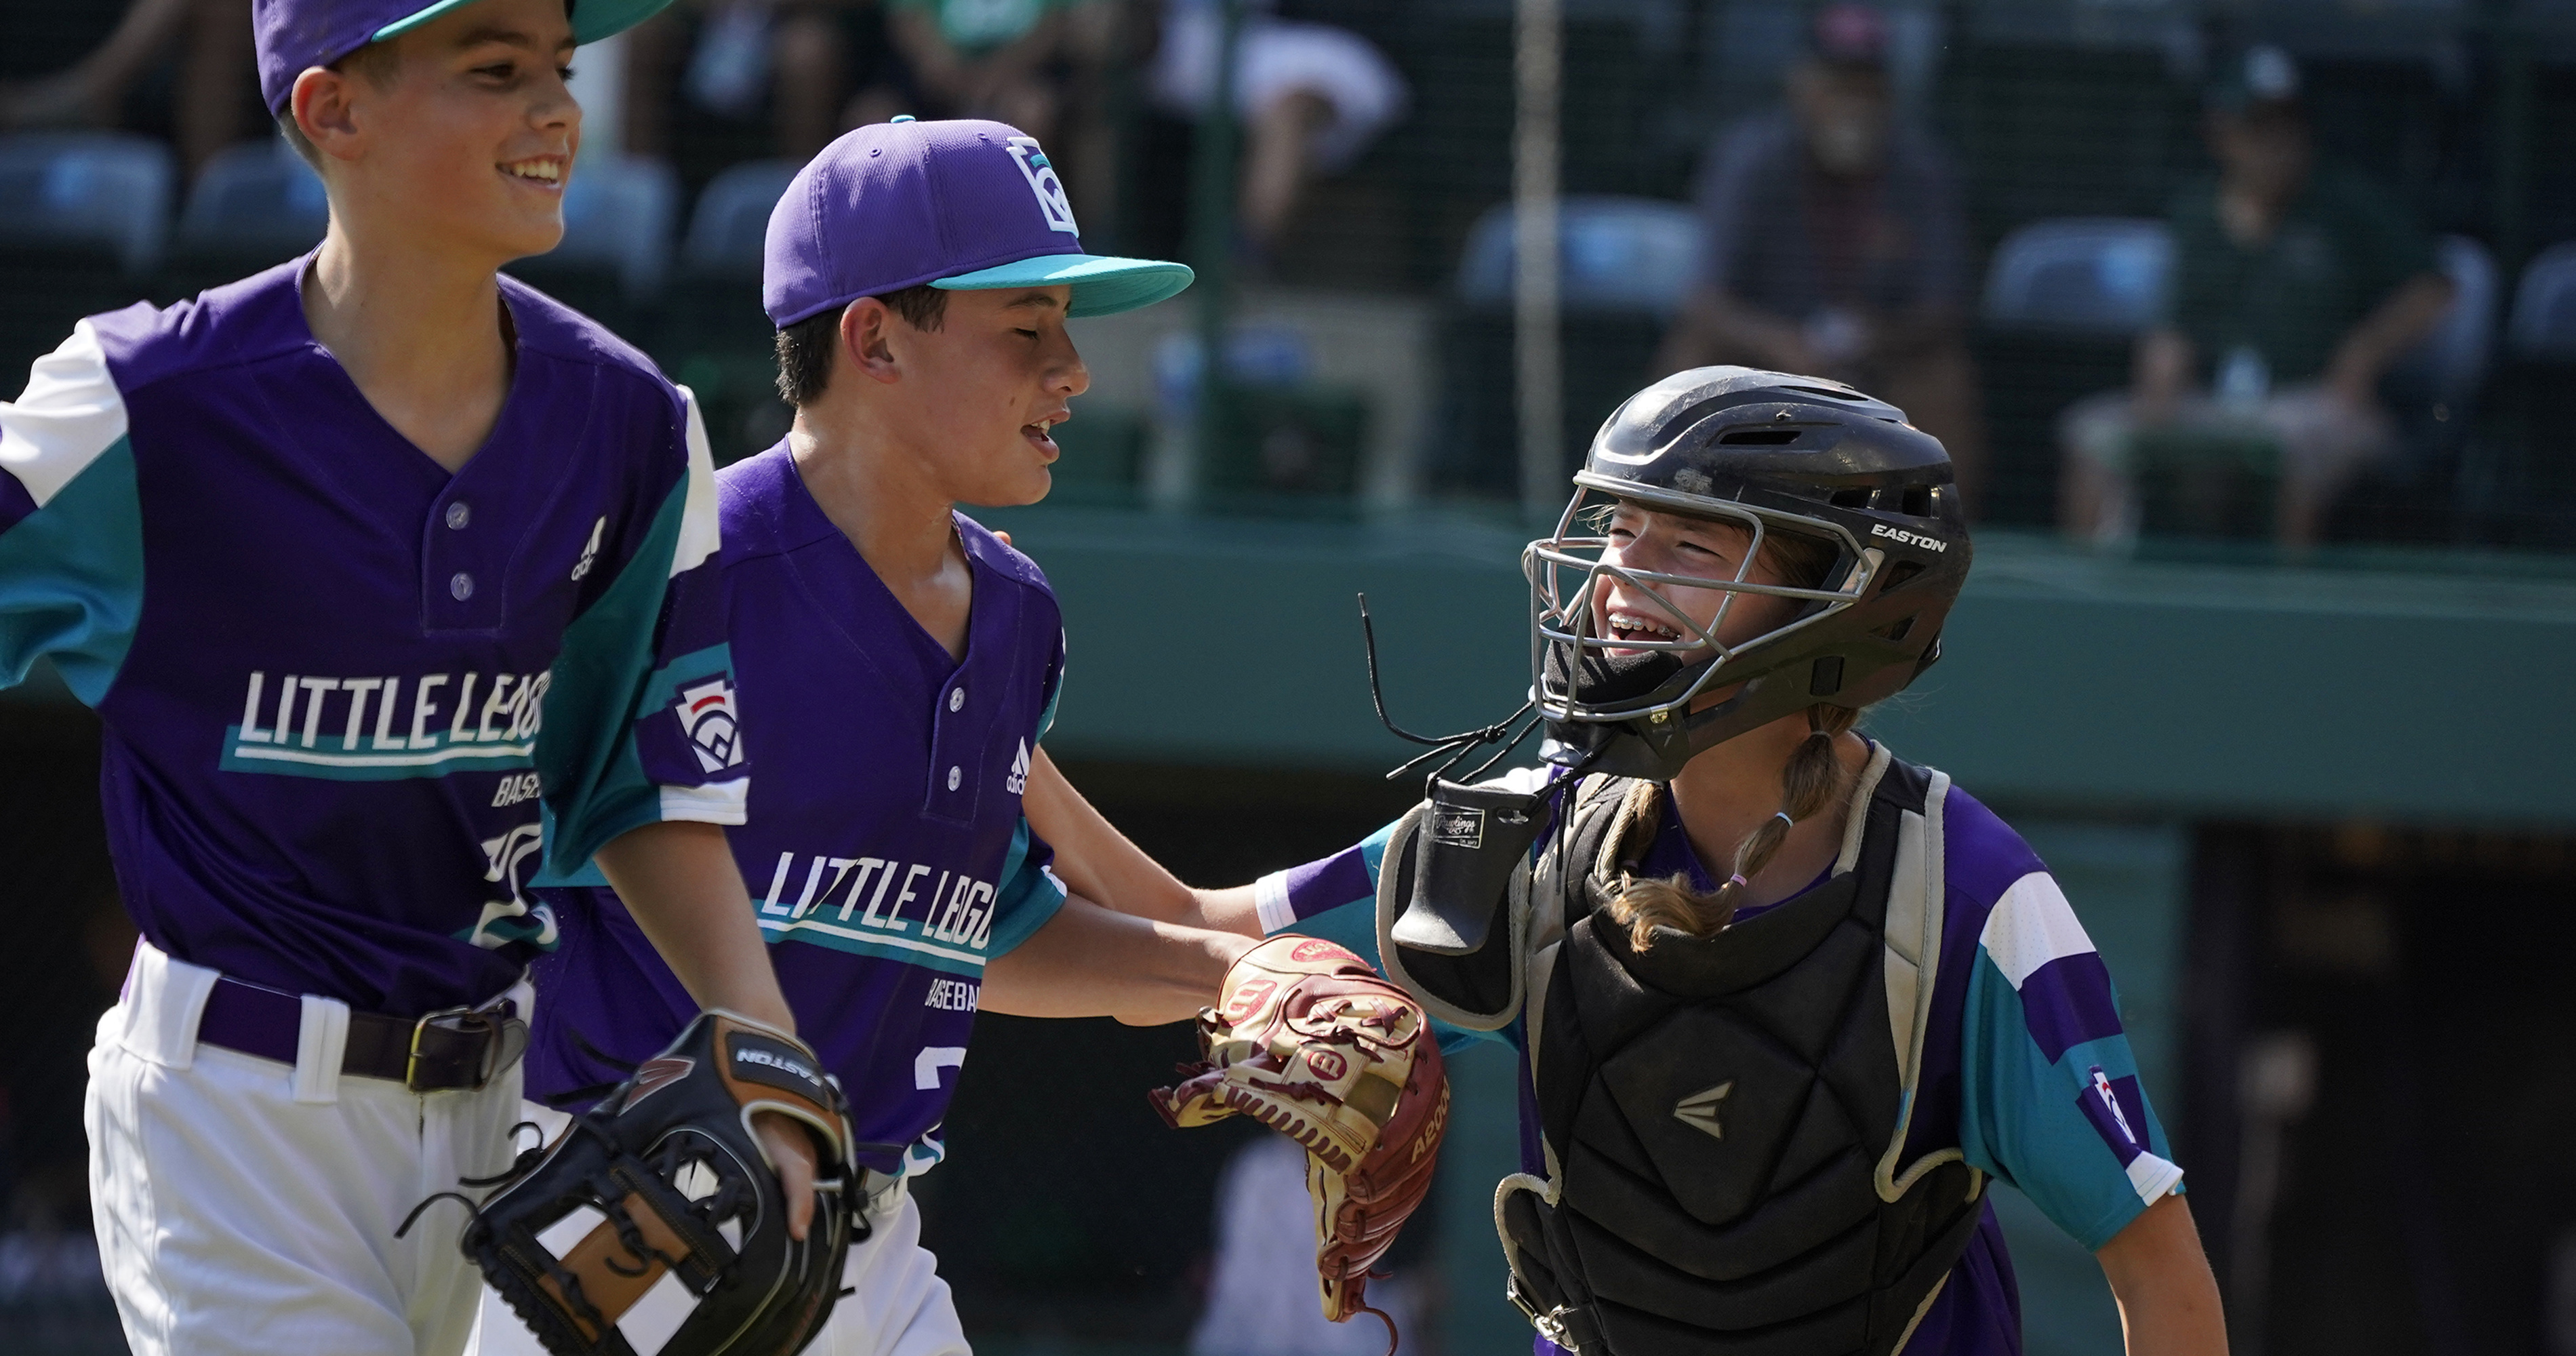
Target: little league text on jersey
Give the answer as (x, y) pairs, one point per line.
(955, 920)
(380, 727)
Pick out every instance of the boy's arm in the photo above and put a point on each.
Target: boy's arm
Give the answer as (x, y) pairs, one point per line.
(642, 766)
(2168, 1299)
(1090, 961)
(678, 880)
(1097, 862)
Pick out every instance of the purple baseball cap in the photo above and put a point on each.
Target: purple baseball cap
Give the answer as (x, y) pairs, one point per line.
(294, 35)
(963, 205)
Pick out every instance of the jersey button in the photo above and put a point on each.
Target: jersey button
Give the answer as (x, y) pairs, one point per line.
(956, 698)
(460, 586)
(458, 515)
(954, 777)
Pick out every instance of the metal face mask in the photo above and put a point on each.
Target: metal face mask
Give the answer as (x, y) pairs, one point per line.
(1773, 454)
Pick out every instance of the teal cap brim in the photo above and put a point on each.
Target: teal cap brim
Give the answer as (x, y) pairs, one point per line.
(591, 19)
(1101, 285)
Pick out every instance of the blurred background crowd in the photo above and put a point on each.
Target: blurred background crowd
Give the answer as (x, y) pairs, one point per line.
(2153, 271)
(2241, 318)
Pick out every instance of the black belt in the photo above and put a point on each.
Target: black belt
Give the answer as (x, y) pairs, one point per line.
(453, 1048)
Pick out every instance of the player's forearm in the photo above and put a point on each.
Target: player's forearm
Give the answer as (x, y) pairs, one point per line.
(1094, 859)
(2168, 1299)
(679, 882)
(1089, 961)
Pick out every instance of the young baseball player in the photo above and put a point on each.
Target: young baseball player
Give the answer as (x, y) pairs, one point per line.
(903, 665)
(1786, 1006)
(387, 577)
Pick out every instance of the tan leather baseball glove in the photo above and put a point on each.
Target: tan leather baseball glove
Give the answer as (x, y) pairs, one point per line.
(1311, 1042)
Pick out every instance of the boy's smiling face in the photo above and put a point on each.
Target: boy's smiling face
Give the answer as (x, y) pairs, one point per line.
(462, 132)
(981, 393)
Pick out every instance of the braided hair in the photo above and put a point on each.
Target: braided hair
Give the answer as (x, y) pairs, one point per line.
(1810, 783)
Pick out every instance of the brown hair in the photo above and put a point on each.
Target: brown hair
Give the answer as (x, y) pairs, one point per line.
(805, 348)
(1810, 782)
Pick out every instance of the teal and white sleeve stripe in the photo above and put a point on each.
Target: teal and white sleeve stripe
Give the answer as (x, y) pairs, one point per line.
(2049, 1095)
(71, 522)
(611, 675)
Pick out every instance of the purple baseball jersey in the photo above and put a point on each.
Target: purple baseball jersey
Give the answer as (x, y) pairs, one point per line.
(885, 852)
(352, 703)
(2025, 1065)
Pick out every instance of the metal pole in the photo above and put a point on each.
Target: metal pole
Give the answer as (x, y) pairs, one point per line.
(1212, 246)
(1537, 64)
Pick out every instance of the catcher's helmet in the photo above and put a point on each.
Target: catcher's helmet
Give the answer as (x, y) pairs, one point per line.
(1774, 453)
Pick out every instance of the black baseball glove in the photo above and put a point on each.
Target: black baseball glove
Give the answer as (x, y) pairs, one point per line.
(654, 1226)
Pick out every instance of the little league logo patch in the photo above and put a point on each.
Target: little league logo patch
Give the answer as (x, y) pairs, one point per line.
(707, 717)
(1040, 172)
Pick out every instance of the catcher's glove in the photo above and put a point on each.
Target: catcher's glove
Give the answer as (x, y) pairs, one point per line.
(1312, 1043)
(654, 1226)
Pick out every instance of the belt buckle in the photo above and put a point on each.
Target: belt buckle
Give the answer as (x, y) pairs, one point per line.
(489, 1019)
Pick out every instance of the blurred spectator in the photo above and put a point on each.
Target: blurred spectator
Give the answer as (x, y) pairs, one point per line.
(799, 58)
(1836, 244)
(1261, 1294)
(212, 91)
(1311, 98)
(2295, 289)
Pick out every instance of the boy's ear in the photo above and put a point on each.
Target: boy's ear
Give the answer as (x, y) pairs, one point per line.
(321, 104)
(867, 331)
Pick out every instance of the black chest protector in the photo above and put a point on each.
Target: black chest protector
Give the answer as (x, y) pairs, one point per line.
(1723, 1117)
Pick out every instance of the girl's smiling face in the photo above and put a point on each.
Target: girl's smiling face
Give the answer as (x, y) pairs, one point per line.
(1651, 541)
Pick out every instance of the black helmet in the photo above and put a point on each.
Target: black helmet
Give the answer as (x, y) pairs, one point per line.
(1774, 453)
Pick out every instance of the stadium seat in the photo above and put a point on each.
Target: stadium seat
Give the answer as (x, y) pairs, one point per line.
(732, 219)
(82, 218)
(1625, 266)
(98, 192)
(1632, 256)
(2544, 306)
(2080, 275)
(255, 204)
(619, 214)
(714, 337)
(2452, 361)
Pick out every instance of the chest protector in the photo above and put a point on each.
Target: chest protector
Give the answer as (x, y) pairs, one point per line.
(1723, 1118)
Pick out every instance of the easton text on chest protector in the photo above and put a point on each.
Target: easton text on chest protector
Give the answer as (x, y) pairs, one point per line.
(1724, 1119)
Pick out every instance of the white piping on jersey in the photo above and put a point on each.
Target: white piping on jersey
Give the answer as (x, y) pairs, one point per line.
(2153, 1178)
(1270, 901)
(879, 938)
(429, 759)
(2031, 925)
(70, 414)
(726, 802)
(698, 510)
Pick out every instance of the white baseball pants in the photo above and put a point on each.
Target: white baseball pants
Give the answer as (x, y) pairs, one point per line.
(237, 1218)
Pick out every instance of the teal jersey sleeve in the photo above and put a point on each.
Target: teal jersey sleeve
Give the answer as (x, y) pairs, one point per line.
(71, 523)
(2050, 1098)
(1030, 893)
(641, 718)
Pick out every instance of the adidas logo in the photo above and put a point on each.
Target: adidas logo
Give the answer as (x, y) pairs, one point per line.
(1699, 1110)
(590, 553)
(1018, 781)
